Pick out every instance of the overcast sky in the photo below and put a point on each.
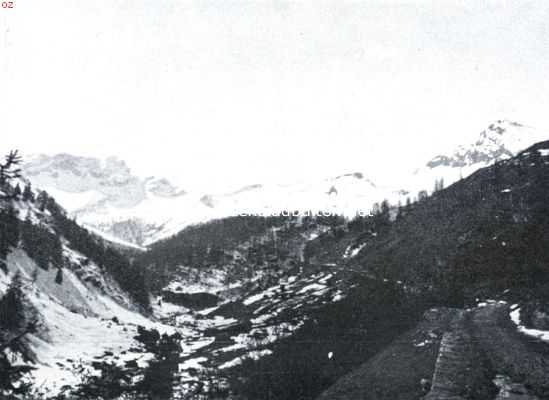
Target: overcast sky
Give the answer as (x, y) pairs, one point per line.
(221, 93)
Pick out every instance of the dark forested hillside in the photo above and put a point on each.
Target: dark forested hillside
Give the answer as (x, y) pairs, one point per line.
(487, 232)
(241, 241)
(129, 276)
(42, 240)
(191, 244)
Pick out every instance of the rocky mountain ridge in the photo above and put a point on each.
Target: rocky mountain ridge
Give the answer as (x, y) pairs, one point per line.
(501, 140)
(107, 197)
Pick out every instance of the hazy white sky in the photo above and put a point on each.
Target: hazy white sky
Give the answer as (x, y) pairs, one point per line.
(228, 92)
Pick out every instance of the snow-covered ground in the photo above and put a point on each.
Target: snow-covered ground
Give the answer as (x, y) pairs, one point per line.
(193, 280)
(353, 250)
(218, 340)
(80, 322)
(83, 318)
(536, 333)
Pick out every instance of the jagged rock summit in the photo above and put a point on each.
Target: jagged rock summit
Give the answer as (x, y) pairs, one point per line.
(106, 197)
(501, 140)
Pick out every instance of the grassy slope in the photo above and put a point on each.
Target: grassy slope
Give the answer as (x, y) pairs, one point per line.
(396, 372)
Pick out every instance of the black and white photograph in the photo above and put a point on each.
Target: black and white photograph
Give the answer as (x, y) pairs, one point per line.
(274, 200)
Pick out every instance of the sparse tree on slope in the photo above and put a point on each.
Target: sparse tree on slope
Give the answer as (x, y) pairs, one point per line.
(15, 323)
(17, 191)
(12, 313)
(9, 169)
(28, 195)
(439, 184)
(9, 232)
(59, 276)
(42, 200)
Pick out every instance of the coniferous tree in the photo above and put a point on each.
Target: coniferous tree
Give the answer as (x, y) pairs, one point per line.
(28, 195)
(12, 312)
(42, 200)
(9, 232)
(14, 324)
(34, 275)
(385, 208)
(439, 184)
(400, 210)
(59, 276)
(16, 191)
(381, 215)
(9, 169)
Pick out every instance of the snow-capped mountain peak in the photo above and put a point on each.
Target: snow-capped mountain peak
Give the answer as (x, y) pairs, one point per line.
(502, 139)
(111, 178)
(86, 179)
(107, 197)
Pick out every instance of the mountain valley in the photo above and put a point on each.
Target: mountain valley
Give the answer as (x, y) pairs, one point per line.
(117, 287)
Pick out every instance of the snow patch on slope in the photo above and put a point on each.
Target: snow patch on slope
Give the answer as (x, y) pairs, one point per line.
(536, 333)
(81, 323)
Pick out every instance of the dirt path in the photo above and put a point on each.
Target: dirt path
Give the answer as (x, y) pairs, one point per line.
(509, 352)
(483, 348)
(461, 370)
(453, 365)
